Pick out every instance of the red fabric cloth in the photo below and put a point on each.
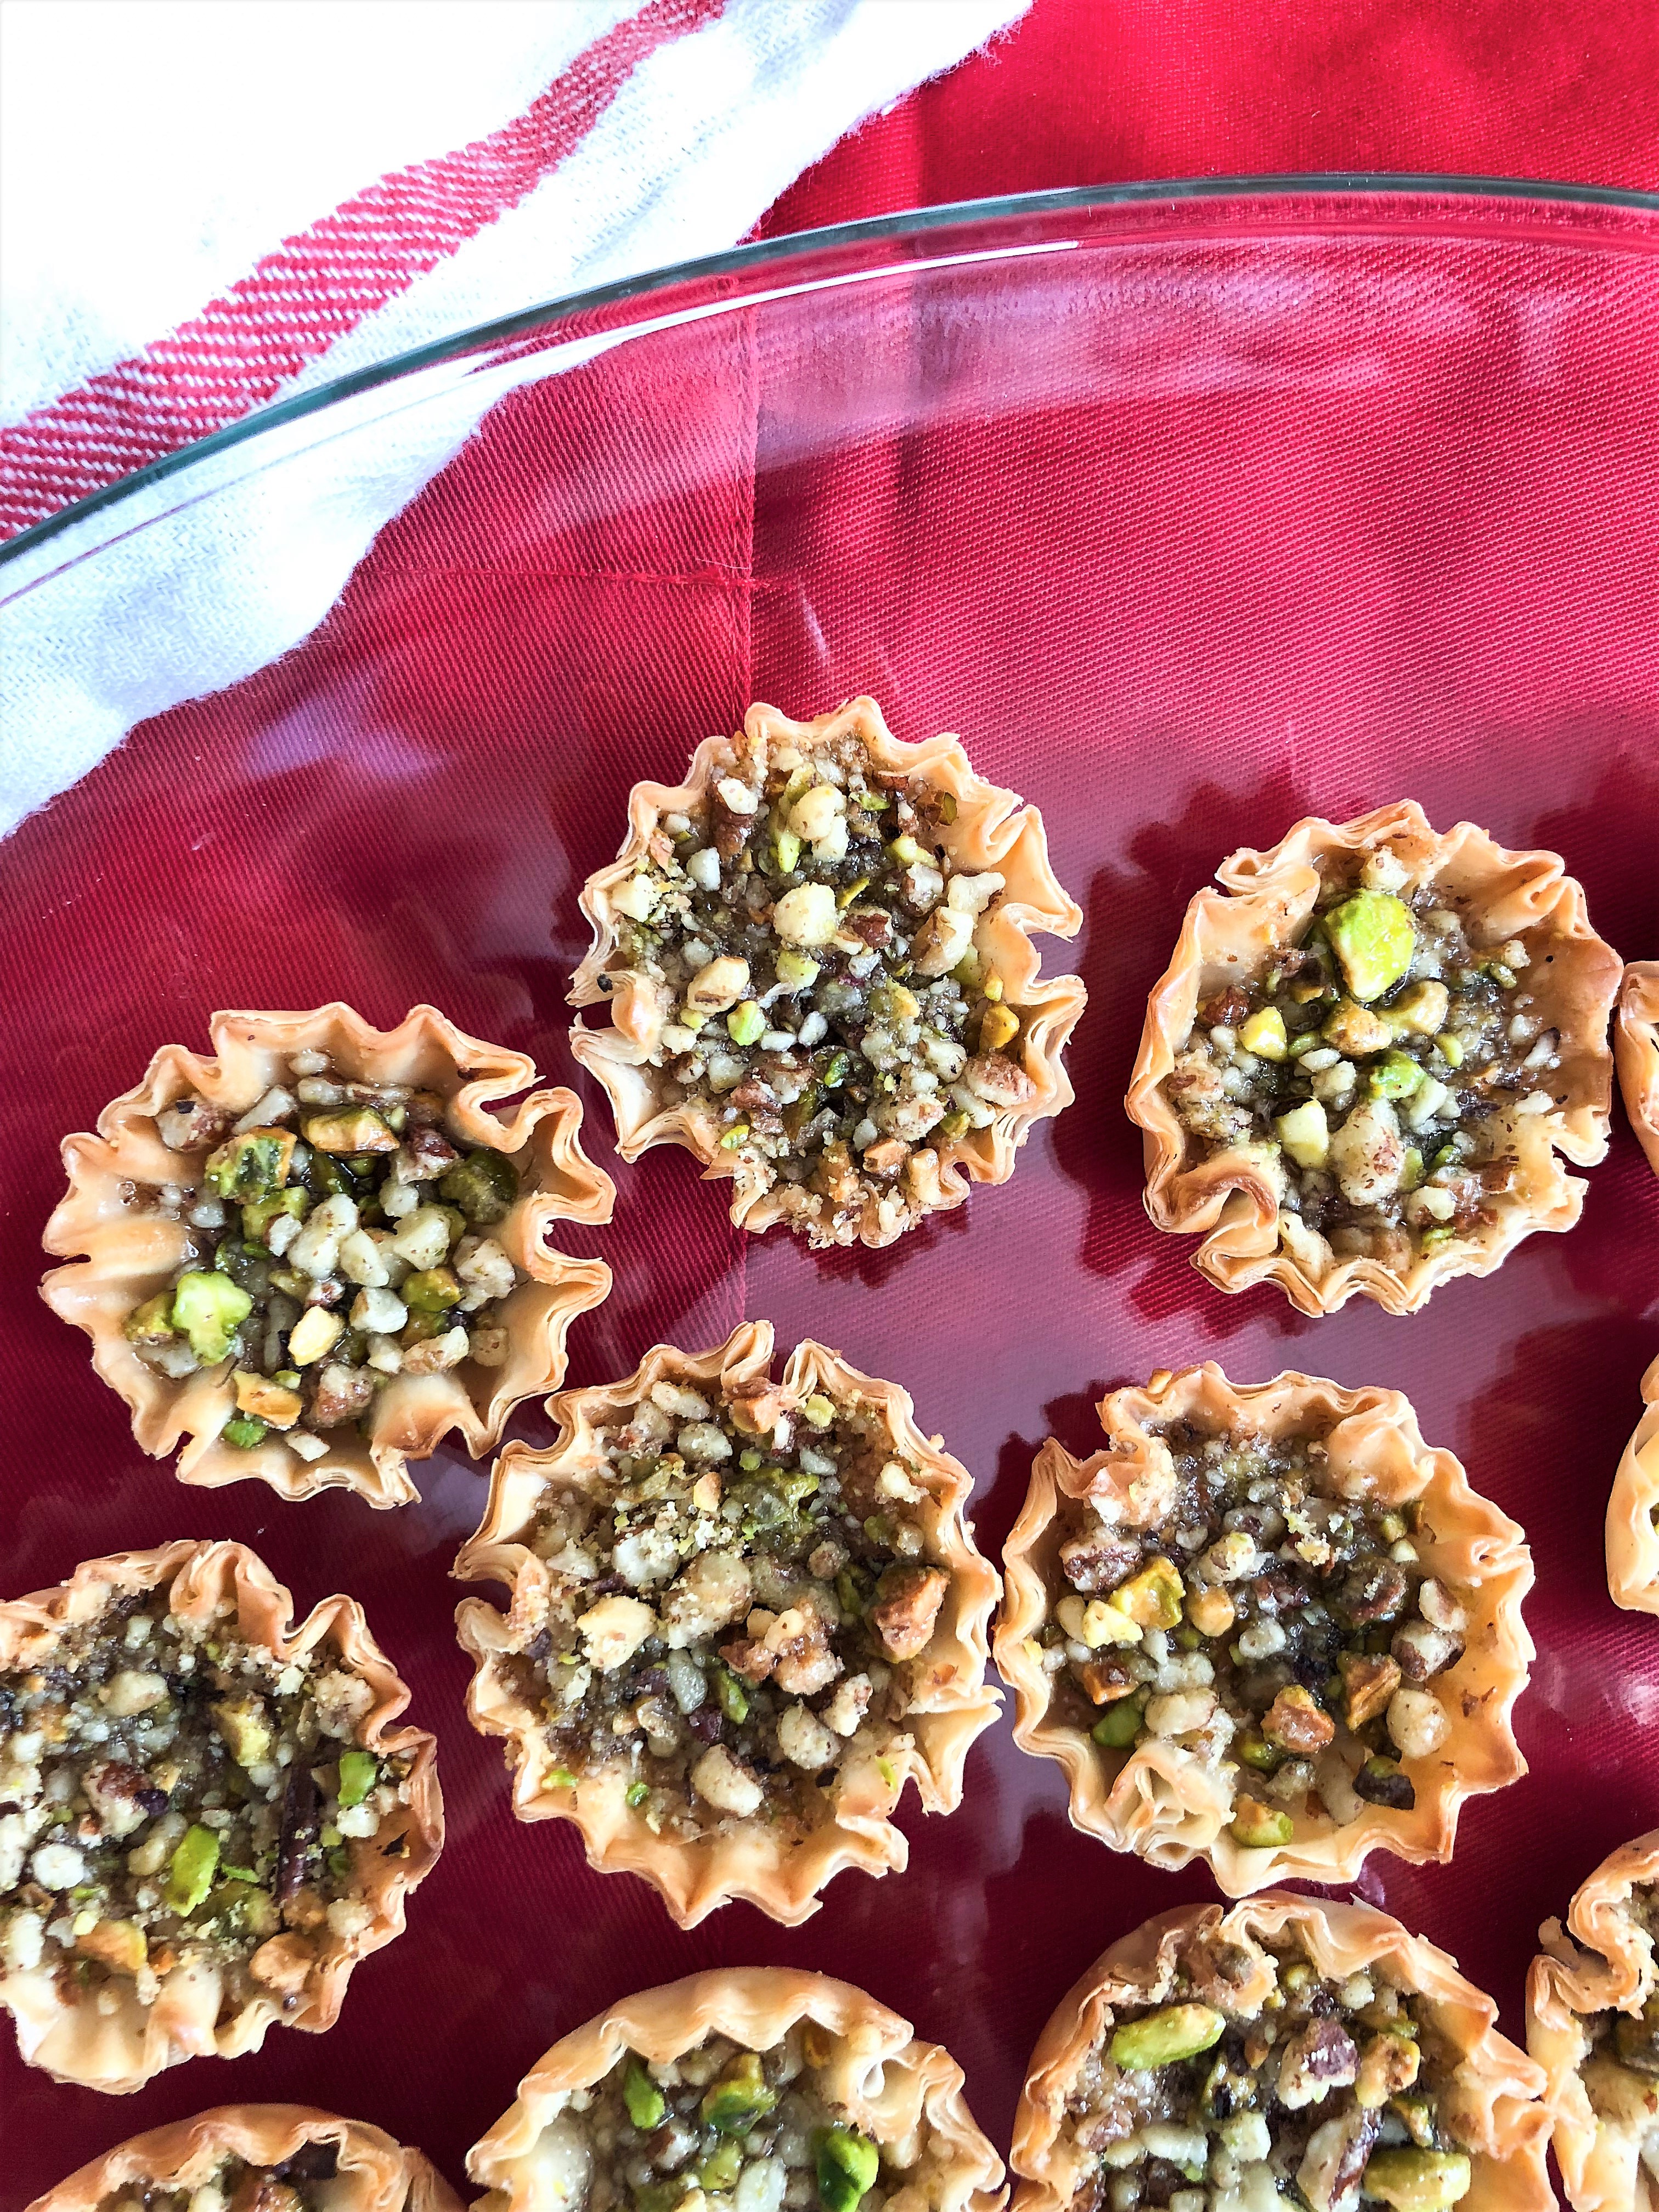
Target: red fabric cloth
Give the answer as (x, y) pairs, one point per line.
(1092, 91)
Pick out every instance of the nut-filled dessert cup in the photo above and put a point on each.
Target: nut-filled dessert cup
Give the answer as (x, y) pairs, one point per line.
(1366, 1053)
(744, 1612)
(315, 1255)
(210, 1815)
(1267, 1625)
(816, 956)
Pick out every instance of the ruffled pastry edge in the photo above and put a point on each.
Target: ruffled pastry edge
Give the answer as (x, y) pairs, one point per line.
(1636, 1051)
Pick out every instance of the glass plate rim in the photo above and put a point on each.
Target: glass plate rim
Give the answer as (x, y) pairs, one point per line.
(764, 252)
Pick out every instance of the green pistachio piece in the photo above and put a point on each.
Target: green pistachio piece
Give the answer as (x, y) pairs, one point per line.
(1264, 1035)
(241, 1722)
(151, 1322)
(1119, 1725)
(1162, 2038)
(636, 1795)
(252, 1166)
(359, 1772)
(1305, 1134)
(430, 1290)
(1374, 939)
(484, 1186)
(208, 1308)
(1397, 1075)
(246, 1908)
(905, 850)
(191, 1871)
(258, 1216)
(788, 852)
(720, 2169)
(739, 2098)
(730, 1695)
(350, 1129)
(1259, 1827)
(838, 1070)
(734, 1136)
(847, 2163)
(244, 1431)
(745, 1023)
(1417, 2180)
(644, 2099)
(795, 971)
(1257, 1751)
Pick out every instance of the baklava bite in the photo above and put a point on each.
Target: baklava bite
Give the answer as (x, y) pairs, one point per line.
(748, 2089)
(1283, 2053)
(1357, 1072)
(816, 955)
(744, 1612)
(1636, 1051)
(318, 1252)
(1267, 1626)
(256, 2158)
(1593, 2023)
(1632, 1525)
(205, 1818)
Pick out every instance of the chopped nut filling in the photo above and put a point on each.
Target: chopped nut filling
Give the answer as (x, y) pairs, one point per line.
(813, 947)
(1377, 1064)
(1620, 2071)
(236, 2186)
(170, 1795)
(723, 2129)
(1283, 1636)
(1328, 2094)
(337, 1238)
(735, 1607)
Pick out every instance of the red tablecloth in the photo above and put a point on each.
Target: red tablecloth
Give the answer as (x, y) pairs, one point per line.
(1087, 92)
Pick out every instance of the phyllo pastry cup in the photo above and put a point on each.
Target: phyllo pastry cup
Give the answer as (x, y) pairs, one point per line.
(816, 956)
(1593, 2025)
(319, 1253)
(256, 2158)
(1293, 2053)
(1369, 1046)
(207, 1815)
(1267, 1625)
(1633, 1530)
(744, 1612)
(758, 2086)
(1636, 1050)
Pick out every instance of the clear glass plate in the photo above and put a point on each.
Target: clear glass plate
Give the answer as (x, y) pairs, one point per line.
(1193, 511)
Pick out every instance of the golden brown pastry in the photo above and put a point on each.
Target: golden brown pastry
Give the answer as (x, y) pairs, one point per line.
(815, 953)
(1633, 1530)
(1267, 1625)
(1356, 1072)
(256, 2158)
(319, 1253)
(1593, 2025)
(1281, 2052)
(761, 2087)
(1636, 1049)
(744, 1612)
(210, 1817)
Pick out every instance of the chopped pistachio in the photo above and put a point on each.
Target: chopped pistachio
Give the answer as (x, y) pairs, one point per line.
(191, 1870)
(645, 2101)
(1166, 2037)
(352, 1129)
(1372, 935)
(484, 1186)
(847, 2163)
(359, 1772)
(1263, 1034)
(1259, 1827)
(739, 2098)
(208, 1309)
(1418, 2180)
